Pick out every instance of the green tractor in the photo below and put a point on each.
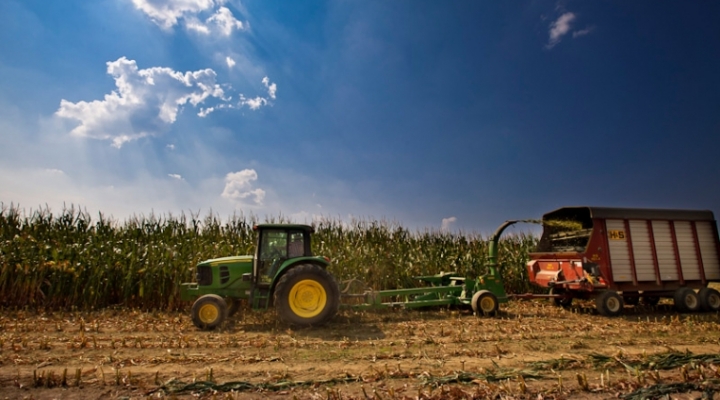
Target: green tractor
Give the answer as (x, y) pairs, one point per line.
(283, 274)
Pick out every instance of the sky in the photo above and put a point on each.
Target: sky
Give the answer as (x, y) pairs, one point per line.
(435, 115)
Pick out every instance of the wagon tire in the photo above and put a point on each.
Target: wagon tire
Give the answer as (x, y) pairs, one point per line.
(563, 302)
(485, 303)
(686, 300)
(307, 295)
(209, 311)
(650, 300)
(709, 299)
(609, 304)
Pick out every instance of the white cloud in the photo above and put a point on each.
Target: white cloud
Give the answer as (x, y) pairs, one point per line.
(560, 28)
(254, 104)
(238, 187)
(176, 176)
(230, 62)
(147, 101)
(170, 146)
(447, 223)
(168, 13)
(271, 87)
(224, 20)
(583, 32)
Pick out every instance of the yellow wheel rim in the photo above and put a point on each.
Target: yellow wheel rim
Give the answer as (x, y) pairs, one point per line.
(487, 304)
(208, 313)
(307, 298)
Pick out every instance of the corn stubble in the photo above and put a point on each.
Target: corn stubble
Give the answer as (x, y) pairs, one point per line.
(73, 261)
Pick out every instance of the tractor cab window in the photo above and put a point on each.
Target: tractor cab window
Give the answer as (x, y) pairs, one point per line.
(296, 248)
(273, 249)
(277, 246)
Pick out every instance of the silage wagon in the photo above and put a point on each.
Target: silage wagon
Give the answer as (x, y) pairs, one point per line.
(619, 256)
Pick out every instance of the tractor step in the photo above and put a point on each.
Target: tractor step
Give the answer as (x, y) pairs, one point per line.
(261, 298)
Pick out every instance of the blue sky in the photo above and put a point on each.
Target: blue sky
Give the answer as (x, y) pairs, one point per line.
(450, 115)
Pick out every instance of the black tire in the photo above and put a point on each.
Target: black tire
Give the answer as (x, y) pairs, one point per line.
(709, 299)
(650, 300)
(631, 300)
(484, 303)
(209, 311)
(307, 295)
(609, 304)
(563, 302)
(686, 300)
(233, 306)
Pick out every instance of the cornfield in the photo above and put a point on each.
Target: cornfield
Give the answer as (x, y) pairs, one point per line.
(73, 261)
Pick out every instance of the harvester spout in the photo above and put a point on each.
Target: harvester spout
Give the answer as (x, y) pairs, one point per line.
(493, 246)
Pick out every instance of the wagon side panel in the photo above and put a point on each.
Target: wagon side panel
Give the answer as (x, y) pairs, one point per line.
(687, 251)
(708, 243)
(620, 260)
(667, 262)
(642, 251)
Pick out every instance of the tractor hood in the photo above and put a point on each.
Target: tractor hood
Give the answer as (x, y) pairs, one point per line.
(227, 260)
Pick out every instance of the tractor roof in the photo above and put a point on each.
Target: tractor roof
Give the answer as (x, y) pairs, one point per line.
(301, 227)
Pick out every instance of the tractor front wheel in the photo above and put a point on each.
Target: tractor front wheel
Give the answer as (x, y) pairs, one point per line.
(209, 311)
(484, 303)
(307, 295)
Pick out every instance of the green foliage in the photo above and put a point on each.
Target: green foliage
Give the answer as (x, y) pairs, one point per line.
(72, 261)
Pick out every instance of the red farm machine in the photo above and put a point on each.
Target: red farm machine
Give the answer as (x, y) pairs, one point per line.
(619, 256)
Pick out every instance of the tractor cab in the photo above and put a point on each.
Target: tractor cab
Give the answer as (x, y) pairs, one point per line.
(276, 245)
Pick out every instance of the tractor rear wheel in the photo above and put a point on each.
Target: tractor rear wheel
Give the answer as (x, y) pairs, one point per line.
(709, 299)
(209, 311)
(686, 300)
(609, 304)
(484, 303)
(307, 295)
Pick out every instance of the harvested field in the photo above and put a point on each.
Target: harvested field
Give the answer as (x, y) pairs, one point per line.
(533, 350)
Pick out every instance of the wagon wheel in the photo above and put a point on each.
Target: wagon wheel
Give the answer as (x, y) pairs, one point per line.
(209, 311)
(709, 299)
(484, 303)
(686, 300)
(307, 295)
(564, 302)
(609, 304)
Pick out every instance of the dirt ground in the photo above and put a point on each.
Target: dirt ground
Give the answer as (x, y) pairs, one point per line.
(532, 350)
